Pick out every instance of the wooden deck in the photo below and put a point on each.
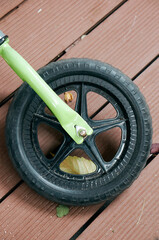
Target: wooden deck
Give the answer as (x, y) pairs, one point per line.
(123, 33)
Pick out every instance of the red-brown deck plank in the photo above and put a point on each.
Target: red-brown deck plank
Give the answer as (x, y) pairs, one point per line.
(41, 30)
(61, 26)
(8, 176)
(7, 6)
(121, 220)
(128, 39)
(134, 214)
(6, 166)
(148, 83)
(26, 215)
(123, 15)
(37, 215)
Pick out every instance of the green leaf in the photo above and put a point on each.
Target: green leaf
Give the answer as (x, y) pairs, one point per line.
(62, 210)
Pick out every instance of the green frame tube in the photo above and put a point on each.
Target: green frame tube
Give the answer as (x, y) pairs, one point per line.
(67, 117)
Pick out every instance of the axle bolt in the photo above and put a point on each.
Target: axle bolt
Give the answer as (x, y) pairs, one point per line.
(82, 133)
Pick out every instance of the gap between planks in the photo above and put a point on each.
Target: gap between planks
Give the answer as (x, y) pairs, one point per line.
(149, 160)
(12, 10)
(96, 214)
(96, 23)
(103, 207)
(88, 31)
(61, 54)
(133, 78)
(146, 67)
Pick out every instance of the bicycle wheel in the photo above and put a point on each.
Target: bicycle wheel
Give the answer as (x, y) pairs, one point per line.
(88, 79)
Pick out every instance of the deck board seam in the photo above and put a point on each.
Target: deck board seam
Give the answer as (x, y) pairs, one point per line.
(10, 96)
(13, 9)
(73, 44)
(103, 207)
(11, 190)
(91, 219)
(145, 67)
(92, 28)
(107, 203)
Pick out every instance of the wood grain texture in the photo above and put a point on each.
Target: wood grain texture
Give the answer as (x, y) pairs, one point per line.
(8, 176)
(127, 13)
(40, 30)
(148, 83)
(7, 6)
(26, 215)
(124, 219)
(128, 39)
(61, 26)
(134, 214)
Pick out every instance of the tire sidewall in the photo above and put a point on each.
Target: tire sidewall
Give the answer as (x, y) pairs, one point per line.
(69, 194)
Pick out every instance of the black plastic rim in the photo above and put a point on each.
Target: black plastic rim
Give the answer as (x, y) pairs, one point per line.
(36, 115)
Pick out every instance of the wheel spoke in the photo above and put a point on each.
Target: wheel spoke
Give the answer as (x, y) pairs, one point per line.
(49, 120)
(81, 102)
(92, 150)
(104, 125)
(61, 154)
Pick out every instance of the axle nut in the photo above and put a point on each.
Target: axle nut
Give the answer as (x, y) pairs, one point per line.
(82, 133)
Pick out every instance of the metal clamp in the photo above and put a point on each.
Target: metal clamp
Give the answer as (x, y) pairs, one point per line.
(3, 37)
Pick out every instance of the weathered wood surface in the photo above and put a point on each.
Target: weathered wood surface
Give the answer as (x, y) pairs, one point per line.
(128, 39)
(39, 214)
(40, 30)
(93, 49)
(134, 214)
(32, 44)
(8, 6)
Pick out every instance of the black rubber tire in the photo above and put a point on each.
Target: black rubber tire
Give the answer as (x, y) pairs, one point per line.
(104, 186)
